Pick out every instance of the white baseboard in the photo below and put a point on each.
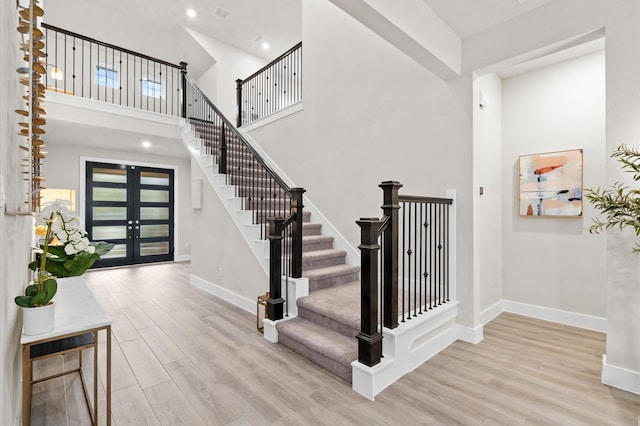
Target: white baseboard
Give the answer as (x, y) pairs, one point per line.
(620, 378)
(555, 315)
(224, 294)
(182, 258)
(468, 334)
(548, 314)
(491, 312)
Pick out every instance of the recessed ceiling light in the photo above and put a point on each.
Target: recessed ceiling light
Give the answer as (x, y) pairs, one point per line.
(191, 13)
(265, 45)
(146, 144)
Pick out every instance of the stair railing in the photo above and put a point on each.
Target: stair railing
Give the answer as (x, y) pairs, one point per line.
(408, 250)
(276, 207)
(81, 66)
(272, 88)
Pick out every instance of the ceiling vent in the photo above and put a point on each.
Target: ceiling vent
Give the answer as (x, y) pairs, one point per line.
(222, 14)
(258, 39)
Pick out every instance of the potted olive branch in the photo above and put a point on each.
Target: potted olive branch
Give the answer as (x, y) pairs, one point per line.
(619, 204)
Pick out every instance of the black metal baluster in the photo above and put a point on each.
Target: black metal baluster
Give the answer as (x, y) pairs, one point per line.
(421, 269)
(73, 69)
(404, 235)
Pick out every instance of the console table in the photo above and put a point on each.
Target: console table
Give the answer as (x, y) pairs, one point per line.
(78, 319)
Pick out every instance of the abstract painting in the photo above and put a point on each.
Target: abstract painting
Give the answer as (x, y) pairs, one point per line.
(551, 184)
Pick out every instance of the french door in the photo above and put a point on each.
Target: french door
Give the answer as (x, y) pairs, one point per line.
(132, 207)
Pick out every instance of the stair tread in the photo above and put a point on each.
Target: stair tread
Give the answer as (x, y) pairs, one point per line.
(317, 238)
(340, 303)
(330, 271)
(318, 254)
(326, 342)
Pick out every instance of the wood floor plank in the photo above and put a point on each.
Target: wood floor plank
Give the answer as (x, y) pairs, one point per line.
(171, 407)
(162, 346)
(131, 408)
(218, 370)
(146, 367)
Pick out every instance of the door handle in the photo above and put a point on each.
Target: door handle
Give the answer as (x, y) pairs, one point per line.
(130, 222)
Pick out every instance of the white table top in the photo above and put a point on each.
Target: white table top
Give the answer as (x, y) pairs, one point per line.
(77, 310)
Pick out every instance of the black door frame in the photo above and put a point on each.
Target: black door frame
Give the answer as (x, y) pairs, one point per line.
(133, 190)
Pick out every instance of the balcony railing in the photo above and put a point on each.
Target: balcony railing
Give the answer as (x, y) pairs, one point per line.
(272, 88)
(81, 66)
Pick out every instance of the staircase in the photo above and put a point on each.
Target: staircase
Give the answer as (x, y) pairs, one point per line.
(329, 317)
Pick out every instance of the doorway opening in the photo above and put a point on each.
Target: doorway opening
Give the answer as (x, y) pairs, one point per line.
(132, 207)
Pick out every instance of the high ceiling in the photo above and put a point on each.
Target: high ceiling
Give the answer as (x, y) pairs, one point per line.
(278, 22)
(468, 17)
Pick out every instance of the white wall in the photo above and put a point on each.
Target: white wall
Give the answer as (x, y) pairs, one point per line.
(231, 64)
(15, 232)
(62, 170)
(623, 125)
(487, 208)
(555, 262)
(219, 245)
(372, 114)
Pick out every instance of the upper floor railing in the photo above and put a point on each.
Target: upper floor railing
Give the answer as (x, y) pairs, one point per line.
(272, 88)
(409, 251)
(81, 66)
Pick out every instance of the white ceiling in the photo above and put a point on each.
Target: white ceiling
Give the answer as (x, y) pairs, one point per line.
(469, 17)
(277, 21)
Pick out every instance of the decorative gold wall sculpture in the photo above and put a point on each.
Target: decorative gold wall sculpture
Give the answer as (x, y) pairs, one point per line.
(31, 116)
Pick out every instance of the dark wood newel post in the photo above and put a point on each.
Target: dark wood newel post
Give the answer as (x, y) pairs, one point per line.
(183, 81)
(390, 207)
(296, 231)
(239, 102)
(222, 167)
(275, 303)
(369, 338)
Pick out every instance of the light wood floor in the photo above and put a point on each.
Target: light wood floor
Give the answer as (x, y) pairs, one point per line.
(183, 357)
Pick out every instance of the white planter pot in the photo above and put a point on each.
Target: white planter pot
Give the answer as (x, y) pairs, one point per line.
(38, 320)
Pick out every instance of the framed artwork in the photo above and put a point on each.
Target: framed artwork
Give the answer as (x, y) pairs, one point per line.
(551, 184)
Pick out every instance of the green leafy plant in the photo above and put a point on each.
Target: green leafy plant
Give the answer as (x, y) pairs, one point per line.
(45, 287)
(619, 204)
(71, 255)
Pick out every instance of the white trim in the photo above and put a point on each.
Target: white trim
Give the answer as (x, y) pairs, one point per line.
(407, 347)
(291, 109)
(224, 294)
(80, 202)
(468, 334)
(620, 378)
(122, 110)
(555, 315)
(182, 258)
(491, 312)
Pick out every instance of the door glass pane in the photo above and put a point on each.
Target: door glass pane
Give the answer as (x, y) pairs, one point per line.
(153, 196)
(110, 175)
(149, 249)
(109, 213)
(154, 178)
(154, 213)
(150, 231)
(119, 250)
(109, 194)
(109, 232)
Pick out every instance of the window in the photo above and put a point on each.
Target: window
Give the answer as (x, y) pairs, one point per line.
(107, 77)
(152, 88)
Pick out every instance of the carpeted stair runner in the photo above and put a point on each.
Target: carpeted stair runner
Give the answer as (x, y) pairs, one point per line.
(329, 318)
